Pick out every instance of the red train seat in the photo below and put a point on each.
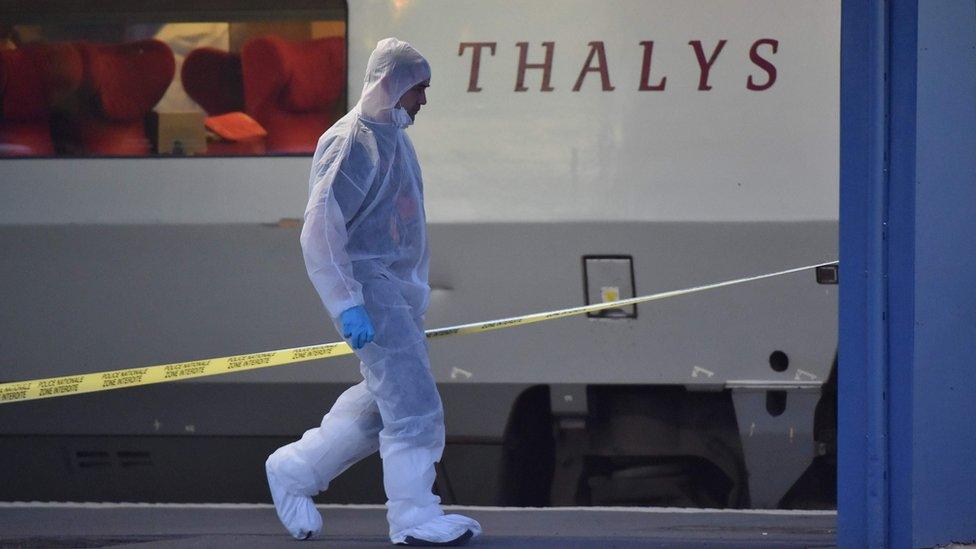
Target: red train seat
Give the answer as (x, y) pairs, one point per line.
(122, 84)
(32, 80)
(293, 88)
(213, 79)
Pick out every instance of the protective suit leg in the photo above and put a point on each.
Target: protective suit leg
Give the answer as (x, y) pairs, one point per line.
(397, 373)
(298, 471)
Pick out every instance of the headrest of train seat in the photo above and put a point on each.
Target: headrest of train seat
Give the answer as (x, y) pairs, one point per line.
(300, 76)
(127, 79)
(213, 79)
(38, 76)
(24, 97)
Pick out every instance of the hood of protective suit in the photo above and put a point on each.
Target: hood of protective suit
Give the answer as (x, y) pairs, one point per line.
(393, 68)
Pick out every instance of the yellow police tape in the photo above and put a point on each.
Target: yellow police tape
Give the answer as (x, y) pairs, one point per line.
(163, 373)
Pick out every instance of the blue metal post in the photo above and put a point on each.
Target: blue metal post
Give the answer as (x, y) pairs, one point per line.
(907, 372)
(941, 497)
(900, 267)
(862, 368)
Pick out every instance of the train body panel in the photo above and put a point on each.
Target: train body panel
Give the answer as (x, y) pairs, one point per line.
(700, 146)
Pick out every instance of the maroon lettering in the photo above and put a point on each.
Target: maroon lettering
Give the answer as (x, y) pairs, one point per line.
(524, 65)
(597, 62)
(476, 48)
(596, 50)
(763, 64)
(645, 84)
(705, 66)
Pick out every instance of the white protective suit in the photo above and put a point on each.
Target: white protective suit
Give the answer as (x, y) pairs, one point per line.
(365, 243)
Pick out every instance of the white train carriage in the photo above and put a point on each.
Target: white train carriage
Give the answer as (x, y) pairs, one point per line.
(572, 151)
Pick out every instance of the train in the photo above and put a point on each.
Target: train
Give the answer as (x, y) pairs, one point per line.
(573, 152)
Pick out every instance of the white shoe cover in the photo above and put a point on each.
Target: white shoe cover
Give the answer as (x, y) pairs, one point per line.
(296, 512)
(441, 529)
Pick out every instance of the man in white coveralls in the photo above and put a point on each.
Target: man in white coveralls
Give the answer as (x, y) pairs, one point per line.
(365, 247)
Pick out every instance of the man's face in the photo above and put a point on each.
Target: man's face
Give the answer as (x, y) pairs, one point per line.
(414, 98)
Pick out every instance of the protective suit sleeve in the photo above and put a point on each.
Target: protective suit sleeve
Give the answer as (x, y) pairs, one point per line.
(340, 181)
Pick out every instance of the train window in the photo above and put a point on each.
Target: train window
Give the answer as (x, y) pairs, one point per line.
(205, 78)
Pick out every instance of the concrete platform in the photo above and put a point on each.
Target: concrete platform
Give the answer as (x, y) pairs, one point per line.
(29, 525)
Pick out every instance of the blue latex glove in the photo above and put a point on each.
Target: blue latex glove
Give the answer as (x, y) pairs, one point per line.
(356, 327)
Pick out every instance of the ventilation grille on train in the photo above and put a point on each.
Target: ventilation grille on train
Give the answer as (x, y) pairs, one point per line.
(103, 459)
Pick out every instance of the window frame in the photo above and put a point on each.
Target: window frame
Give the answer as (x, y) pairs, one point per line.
(53, 12)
